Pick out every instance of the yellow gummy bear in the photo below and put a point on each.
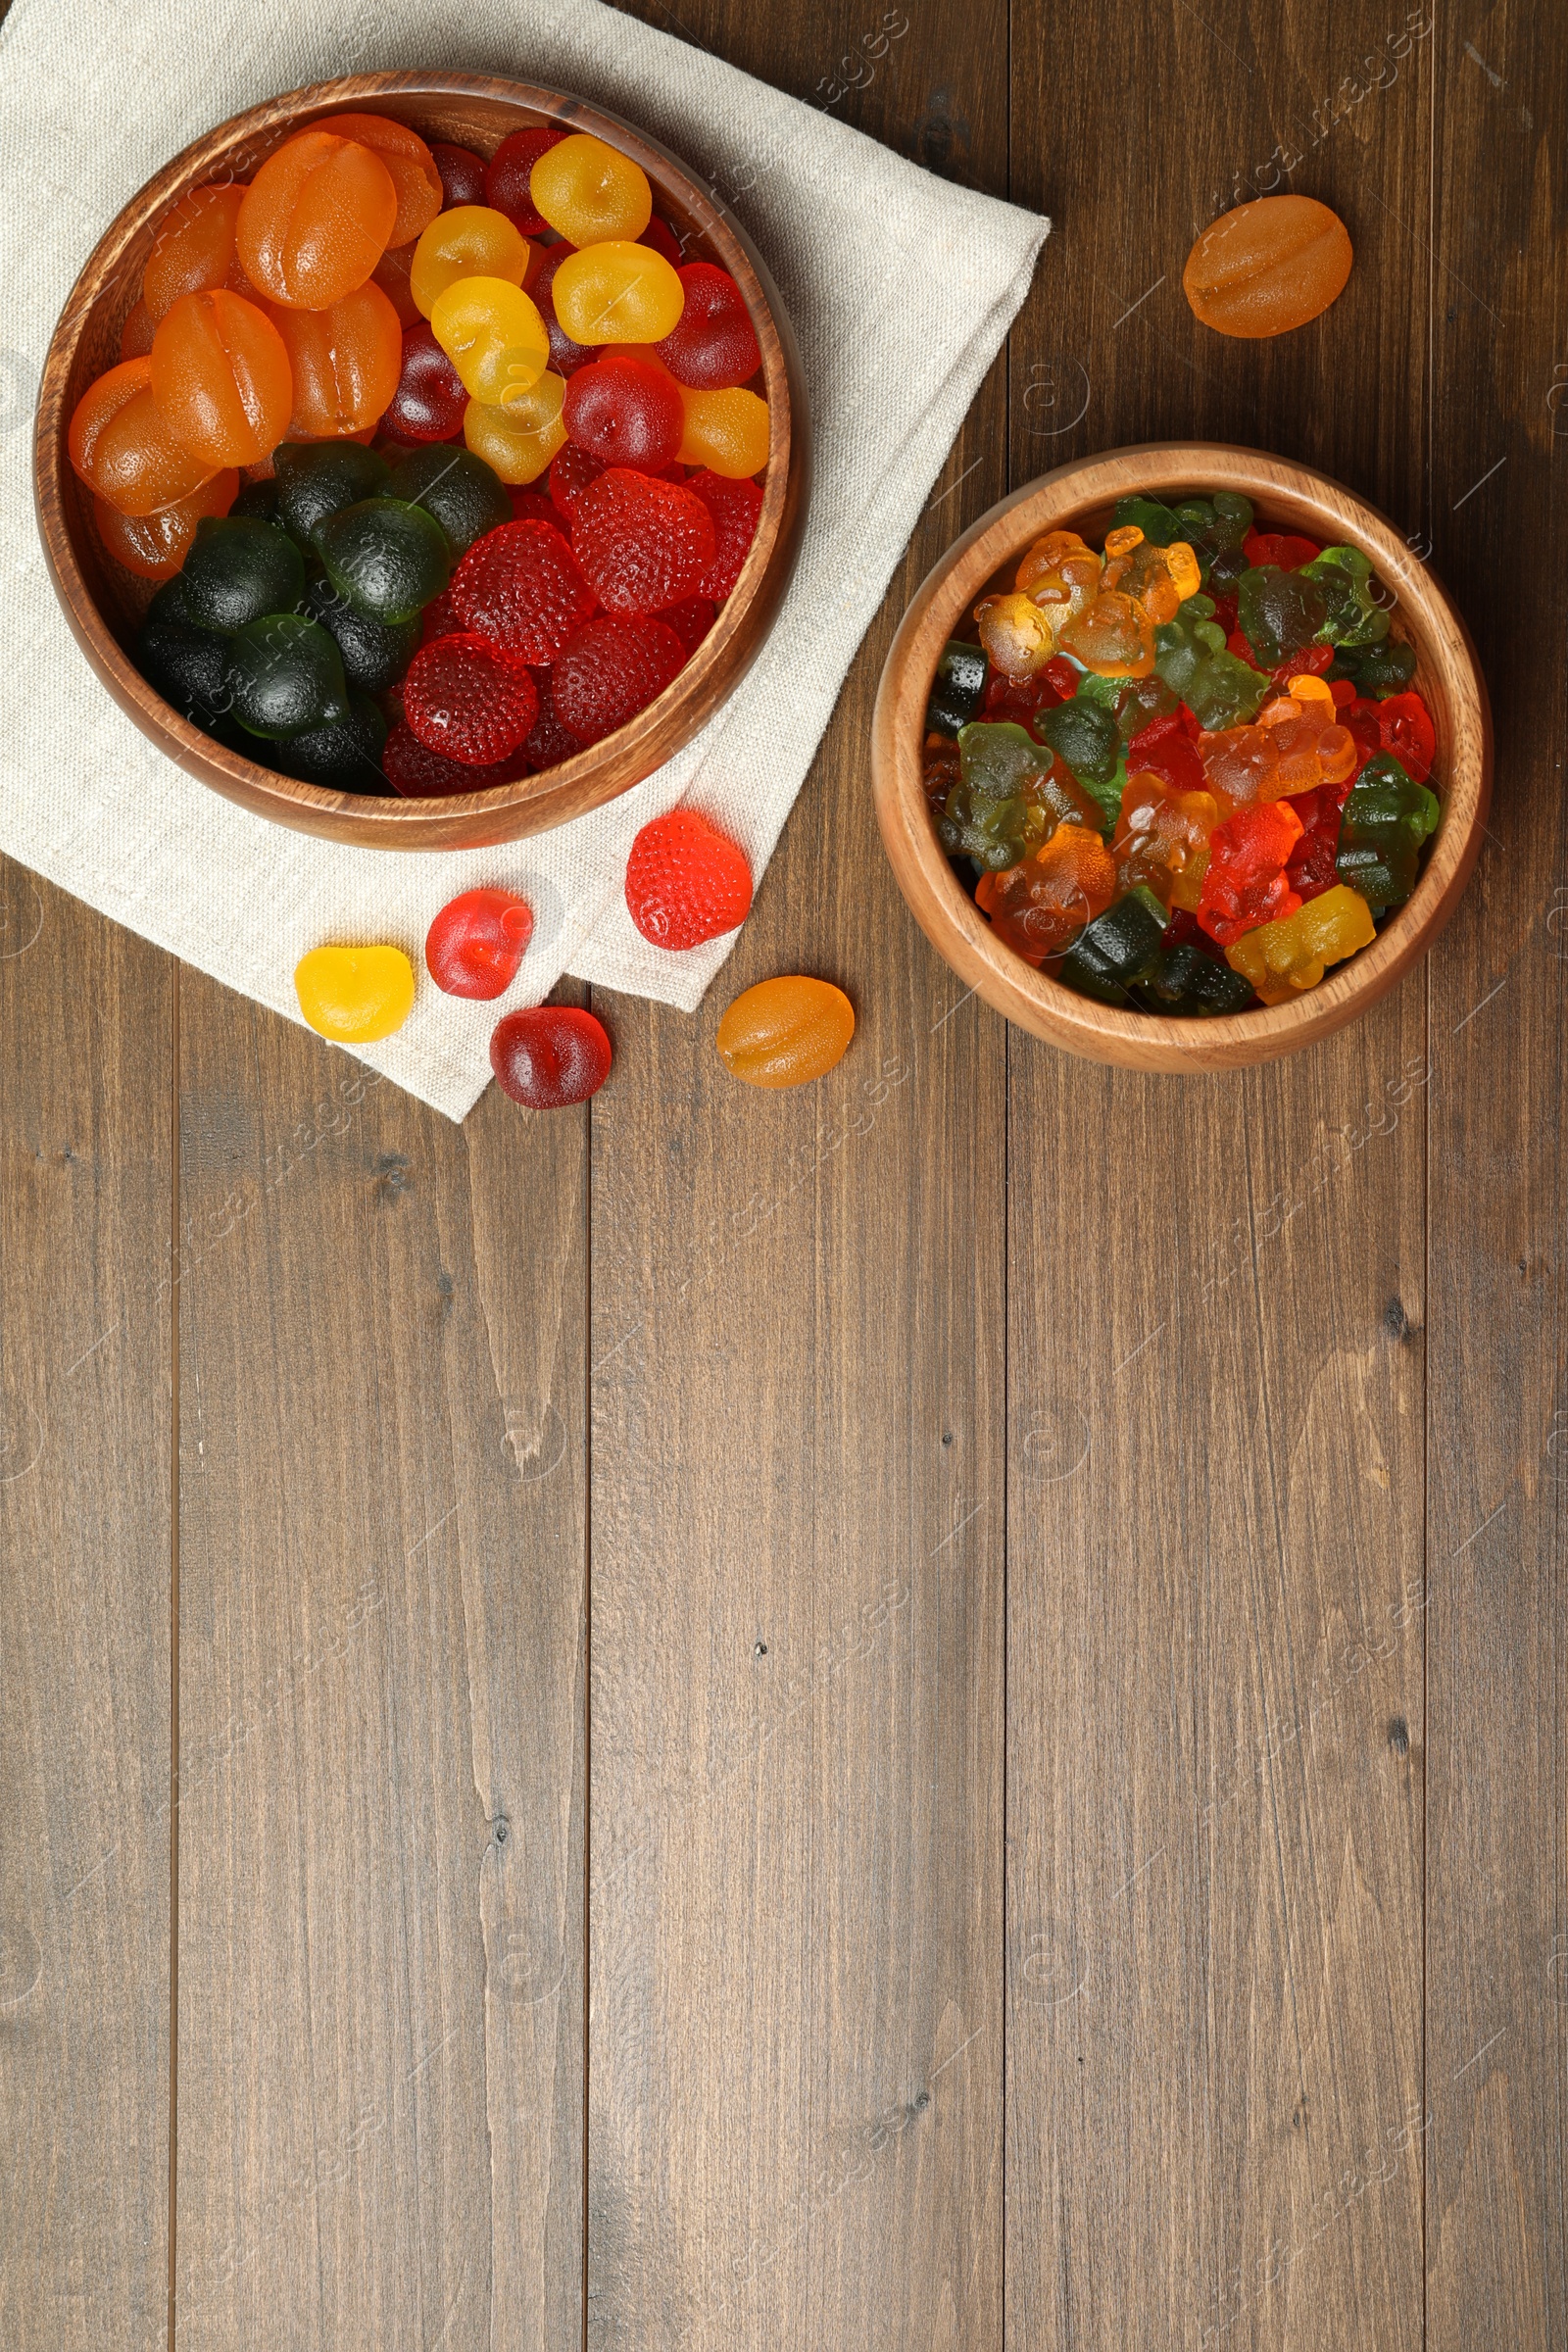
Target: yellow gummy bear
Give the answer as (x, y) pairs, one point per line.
(354, 995)
(1016, 634)
(1282, 958)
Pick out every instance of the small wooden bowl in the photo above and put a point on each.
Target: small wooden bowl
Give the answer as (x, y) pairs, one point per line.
(104, 603)
(1081, 498)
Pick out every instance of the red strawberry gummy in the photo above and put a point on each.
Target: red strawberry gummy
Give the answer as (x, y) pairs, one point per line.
(440, 618)
(551, 1056)
(625, 411)
(566, 356)
(462, 173)
(429, 401)
(423, 775)
(734, 508)
(549, 741)
(686, 881)
(529, 505)
(519, 586)
(477, 941)
(508, 173)
(467, 699)
(691, 620)
(641, 544)
(713, 344)
(611, 669)
(572, 470)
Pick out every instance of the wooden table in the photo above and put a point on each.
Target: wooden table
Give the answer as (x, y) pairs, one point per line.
(924, 1714)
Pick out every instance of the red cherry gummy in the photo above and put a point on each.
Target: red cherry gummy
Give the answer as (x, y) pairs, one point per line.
(611, 669)
(465, 698)
(519, 586)
(641, 544)
(508, 173)
(625, 411)
(477, 941)
(663, 238)
(529, 505)
(734, 506)
(566, 356)
(550, 1055)
(549, 741)
(572, 470)
(686, 881)
(712, 345)
(429, 401)
(691, 620)
(419, 774)
(462, 173)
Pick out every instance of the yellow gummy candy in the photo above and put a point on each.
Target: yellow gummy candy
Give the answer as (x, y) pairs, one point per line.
(354, 995)
(493, 335)
(618, 292)
(725, 431)
(591, 192)
(1282, 958)
(518, 439)
(1016, 634)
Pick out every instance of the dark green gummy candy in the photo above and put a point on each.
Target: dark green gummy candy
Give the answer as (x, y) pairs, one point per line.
(1280, 612)
(385, 557)
(1085, 734)
(319, 478)
(345, 757)
(238, 568)
(957, 689)
(1194, 985)
(375, 653)
(1117, 948)
(184, 664)
(463, 493)
(283, 674)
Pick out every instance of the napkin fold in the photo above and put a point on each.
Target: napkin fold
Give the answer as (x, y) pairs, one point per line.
(900, 288)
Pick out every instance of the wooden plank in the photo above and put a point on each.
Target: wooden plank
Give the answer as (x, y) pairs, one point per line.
(795, 2075)
(1498, 1442)
(1215, 1384)
(86, 1016)
(381, 1836)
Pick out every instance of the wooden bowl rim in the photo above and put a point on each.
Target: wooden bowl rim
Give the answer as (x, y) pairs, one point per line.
(375, 821)
(942, 908)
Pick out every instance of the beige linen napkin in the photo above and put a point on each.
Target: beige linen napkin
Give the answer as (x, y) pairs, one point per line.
(899, 288)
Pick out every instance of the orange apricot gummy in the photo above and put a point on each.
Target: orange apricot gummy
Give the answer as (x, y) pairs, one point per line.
(316, 219)
(221, 377)
(786, 1032)
(193, 250)
(155, 545)
(123, 447)
(345, 362)
(1267, 267)
(409, 164)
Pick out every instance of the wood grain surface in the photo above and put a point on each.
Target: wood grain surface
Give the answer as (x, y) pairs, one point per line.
(928, 1713)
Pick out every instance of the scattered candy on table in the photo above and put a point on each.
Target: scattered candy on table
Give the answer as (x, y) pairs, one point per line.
(686, 882)
(1267, 267)
(354, 995)
(550, 1055)
(786, 1032)
(413, 617)
(1187, 773)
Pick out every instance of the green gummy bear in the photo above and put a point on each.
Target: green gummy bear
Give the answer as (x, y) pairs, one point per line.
(1376, 670)
(1190, 655)
(1193, 985)
(957, 689)
(996, 834)
(1344, 576)
(1117, 949)
(1084, 733)
(1155, 521)
(999, 759)
(1386, 821)
(1280, 612)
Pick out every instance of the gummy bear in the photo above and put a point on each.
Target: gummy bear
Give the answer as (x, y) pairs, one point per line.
(346, 363)
(521, 437)
(786, 1032)
(1344, 576)
(686, 881)
(1039, 906)
(549, 1057)
(407, 163)
(626, 412)
(620, 292)
(736, 508)
(316, 219)
(1310, 745)
(1016, 634)
(957, 689)
(1085, 734)
(429, 399)
(354, 995)
(1379, 670)
(1285, 957)
(1247, 883)
(124, 450)
(193, 250)
(1404, 728)
(610, 668)
(520, 588)
(1267, 267)
(1116, 951)
(728, 432)
(1165, 748)
(591, 193)
(494, 336)
(465, 698)
(477, 941)
(641, 544)
(508, 171)
(1193, 985)
(1162, 840)
(1113, 638)
(1311, 867)
(1280, 612)
(712, 346)
(1191, 656)
(1386, 819)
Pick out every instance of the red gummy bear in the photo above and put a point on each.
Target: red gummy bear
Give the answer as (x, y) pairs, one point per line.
(625, 411)
(519, 586)
(462, 173)
(1404, 728)
(611, 669)
(686, 881)
(549, 741)
(550, 1055)
(1247, 883)
(1280, 548)
(1165, 749)
(1312, 866)
(566, 356)
(419, 774)
(465, 698)
(713, 344)
(477, 941)
(642, 544)
(508, 173)
(429, 401)
(735, 507)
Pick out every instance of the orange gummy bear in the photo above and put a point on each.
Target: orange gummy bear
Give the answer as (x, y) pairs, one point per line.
(1163, 839)
(1267, 267)
(1039, 907)
(123, 448)
(221, 377)
(1114, 638)
(316, 219)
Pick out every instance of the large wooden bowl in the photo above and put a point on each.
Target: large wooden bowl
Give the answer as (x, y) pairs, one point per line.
(104, 603)
(1081, 498)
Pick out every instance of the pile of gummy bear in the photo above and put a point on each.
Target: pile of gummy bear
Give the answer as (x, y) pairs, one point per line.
(1202, 739)
(489, 327)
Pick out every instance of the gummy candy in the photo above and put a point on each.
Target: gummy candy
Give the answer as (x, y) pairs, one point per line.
(1116, 951)
(316, 219)
(691, 620)
(1112, 638)
(728, 432)
(392, 273)
(408, 163)
(346, 363)
(1165, 748)
(624, 413)
(386, 558)
(193, 250)
(473, 241)
(520, 439)
(1283, 958)
(1267, 267)
(712, 346)
(1084, 733)
(354, 995)
(1039, 906)
(462, 494)
(429, 399)
(551, 740)
(184, 664)
(375, 653)
(1311, 867)
(1247, 883)
(493, 335)
(477, 941)
(570, 475)
(153, 546)
(619, 292)
(136, 336)
(465, 698)
(239, 570)
(590, 193)
(123, 448)
(686, 881)
(419, 774)
(736, 509)
(641, 544)
(521, 589)
(1280, 611)
(566, 356)
(1386, 819)
(1016, 634)
(221, 377)
(551, 1056)
(283, 673)
(508, 173)
(1162, 840)
(1404, 728)
(1191, 656)
(463, 172)
(786, 1032)
(315, 481)
(1191, 983)
(1378, 670)
(958, 688)
(534, 506)
(345, 757)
